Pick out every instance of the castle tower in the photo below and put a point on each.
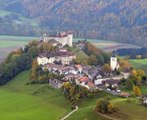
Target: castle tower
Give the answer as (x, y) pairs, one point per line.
(44, 38)
(70, 39)
(113, 62)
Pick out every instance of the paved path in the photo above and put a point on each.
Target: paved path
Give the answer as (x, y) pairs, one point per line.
(70, 113)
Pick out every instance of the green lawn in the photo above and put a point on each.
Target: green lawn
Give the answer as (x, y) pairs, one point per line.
(19, 101)
(139, 64)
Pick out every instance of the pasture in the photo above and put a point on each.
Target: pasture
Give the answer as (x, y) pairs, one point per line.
(19, 101)
(139, 64)
(128, 110)
(86, 109)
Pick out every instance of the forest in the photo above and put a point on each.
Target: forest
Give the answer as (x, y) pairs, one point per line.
(122, 21)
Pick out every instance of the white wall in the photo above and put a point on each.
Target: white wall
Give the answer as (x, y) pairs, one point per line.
(113, 63)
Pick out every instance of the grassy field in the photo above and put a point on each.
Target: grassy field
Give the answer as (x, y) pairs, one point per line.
(129, 111)
(144, 90)
(86, 110)
(139, 64)
(19, 101)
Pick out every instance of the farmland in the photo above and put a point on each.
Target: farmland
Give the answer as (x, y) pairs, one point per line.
(9, 43)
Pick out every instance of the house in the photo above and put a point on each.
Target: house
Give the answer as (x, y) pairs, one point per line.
(91, 85)
(124, 94)
(61, 56)
(111, 83)
(55, 83)
(63, 38)
(144, 100)
(83, 80)
(79, 68)
(64, 56)
(98, 82)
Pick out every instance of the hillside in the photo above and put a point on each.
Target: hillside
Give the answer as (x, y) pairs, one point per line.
(123, 20)
(19, 101)
(139, 64)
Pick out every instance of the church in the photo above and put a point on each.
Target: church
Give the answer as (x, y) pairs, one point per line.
(114, 62)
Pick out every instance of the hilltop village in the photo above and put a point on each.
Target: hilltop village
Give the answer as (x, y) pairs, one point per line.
(78, 71)
(60, 63)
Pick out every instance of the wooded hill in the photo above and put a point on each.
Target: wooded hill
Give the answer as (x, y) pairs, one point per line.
(119, 20)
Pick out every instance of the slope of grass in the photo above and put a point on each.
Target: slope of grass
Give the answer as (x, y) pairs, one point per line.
(129, 111)
(86, 109)
(139, 64)
(144, 90)
(19, 101)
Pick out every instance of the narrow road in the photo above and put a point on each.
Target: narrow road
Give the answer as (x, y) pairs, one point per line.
(70, 113)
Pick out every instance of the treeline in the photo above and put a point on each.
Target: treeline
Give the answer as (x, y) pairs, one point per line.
(133, 53)
(97, 56)
(20, 60)
(120, 20)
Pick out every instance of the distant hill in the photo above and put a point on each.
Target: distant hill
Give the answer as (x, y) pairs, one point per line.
(119, 20)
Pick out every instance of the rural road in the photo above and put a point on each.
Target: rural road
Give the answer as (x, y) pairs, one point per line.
(70, 113)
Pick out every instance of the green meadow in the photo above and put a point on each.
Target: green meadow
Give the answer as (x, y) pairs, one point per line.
(139, 64)
(127, 110)
(19, 101)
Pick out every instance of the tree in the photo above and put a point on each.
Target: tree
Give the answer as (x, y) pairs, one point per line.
(136, 90)
(129, 84)
(93, 60)
(106, 68)
(111, 108)
(104, 106)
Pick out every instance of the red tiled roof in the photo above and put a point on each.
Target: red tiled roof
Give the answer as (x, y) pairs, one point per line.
(84, 79)
(78, 66)
(91, 84)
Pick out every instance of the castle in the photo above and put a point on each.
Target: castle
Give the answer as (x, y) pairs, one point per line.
(63, 38)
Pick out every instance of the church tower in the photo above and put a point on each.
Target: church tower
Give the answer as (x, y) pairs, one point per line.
(113, 62)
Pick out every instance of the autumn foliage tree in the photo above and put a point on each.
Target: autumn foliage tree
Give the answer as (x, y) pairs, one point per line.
(136, 90)
(104, 106)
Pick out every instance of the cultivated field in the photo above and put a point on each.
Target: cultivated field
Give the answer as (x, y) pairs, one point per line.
(19, 101)
(9, 43)
(108, 45)
(139, 64)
